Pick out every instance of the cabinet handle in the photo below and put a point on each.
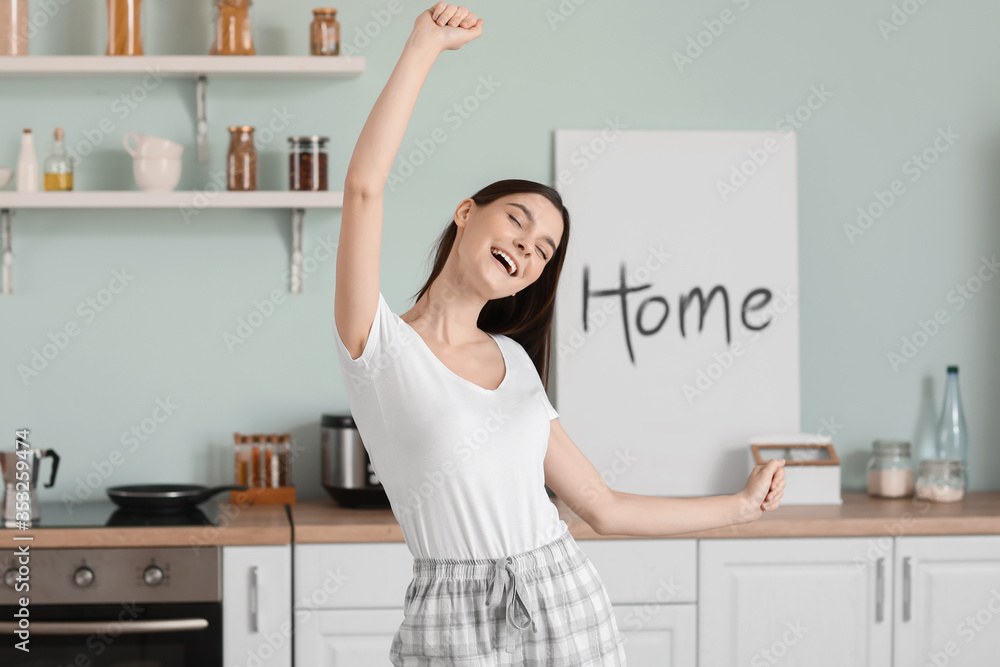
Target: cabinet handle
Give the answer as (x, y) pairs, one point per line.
(253, 600)
(906, 589)
(879, 589)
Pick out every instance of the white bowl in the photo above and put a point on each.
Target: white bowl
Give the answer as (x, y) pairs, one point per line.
(5, 175)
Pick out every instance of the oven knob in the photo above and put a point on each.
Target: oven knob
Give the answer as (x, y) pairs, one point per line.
(10, 577)
(83, 577)
(152, 575)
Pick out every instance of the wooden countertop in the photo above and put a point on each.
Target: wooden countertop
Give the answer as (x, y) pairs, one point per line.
(322, 521)
(238, 525)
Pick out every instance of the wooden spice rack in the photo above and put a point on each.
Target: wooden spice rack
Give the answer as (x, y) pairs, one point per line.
(259, 461)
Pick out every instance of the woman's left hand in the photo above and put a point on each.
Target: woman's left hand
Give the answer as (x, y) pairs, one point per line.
(764, 488)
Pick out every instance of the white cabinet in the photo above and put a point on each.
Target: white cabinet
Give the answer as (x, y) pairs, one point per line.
(349, 599)
(652, 584)
(349, 602)
(661, 635)
(947, 600)
(257, 606)
(361, 575)
(345, 637)
(822, 602)
(639, 571)
(860, 601)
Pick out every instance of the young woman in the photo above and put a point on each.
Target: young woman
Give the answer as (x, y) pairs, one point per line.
(450, 401)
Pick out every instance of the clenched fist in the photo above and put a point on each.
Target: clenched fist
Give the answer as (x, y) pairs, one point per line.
(764, 489)
(447, 27)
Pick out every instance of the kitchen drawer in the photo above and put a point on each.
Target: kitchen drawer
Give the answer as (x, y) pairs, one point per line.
(655, 571)
(345, 637)
(654, 635)
(355, 575)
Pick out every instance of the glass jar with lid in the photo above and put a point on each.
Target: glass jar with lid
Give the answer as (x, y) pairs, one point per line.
(940, 480)
(324, 33)
(233, 36)
(307, 163)
(890, 469)
(241, 163)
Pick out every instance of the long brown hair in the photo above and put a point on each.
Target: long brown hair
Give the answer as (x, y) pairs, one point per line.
(527, 316)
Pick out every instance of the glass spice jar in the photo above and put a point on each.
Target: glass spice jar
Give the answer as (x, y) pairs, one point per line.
(940, 480)
(890, 469)
(324, 33)
(241, 164)
(307, 163)
(124, 28)
(232, 29)
(13, 27)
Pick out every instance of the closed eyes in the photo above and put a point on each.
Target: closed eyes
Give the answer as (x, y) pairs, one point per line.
(520, 226)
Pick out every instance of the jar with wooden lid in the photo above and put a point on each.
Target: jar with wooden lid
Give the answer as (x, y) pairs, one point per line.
(307, 163)
(241, 163)
(324, 33)
(124, 28)
(232, 29)
(940, 480)
(890, 469)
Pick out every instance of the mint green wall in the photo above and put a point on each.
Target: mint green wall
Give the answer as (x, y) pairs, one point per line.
(568, 64)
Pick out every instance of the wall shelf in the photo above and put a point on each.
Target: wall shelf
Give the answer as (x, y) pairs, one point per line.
(198, 68)
(176, 199)
(187, 203)
(186, 66)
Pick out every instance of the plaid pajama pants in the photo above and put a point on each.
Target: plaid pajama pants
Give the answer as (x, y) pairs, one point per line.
(545, 607)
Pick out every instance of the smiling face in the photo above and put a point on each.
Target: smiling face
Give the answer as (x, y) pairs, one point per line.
(508, 241)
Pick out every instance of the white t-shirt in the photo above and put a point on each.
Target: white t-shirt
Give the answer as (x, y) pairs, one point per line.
(462, 465)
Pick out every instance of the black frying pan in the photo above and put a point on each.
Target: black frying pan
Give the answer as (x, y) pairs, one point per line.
(164, 497)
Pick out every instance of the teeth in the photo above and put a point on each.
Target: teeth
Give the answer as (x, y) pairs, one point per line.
(507, 258)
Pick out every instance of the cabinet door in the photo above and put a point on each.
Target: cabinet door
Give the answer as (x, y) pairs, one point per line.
(947, 600)
(658, 635)
(257, 606)
(345, 637)
(822, 602)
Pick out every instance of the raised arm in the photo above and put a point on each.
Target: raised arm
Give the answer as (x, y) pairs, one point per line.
(440, 28)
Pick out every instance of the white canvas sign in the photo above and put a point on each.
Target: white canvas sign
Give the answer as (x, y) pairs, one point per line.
(677, 325)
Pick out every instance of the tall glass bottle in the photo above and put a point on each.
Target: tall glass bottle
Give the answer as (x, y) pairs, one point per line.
(952, 432)
(58, 168)
(27, 164)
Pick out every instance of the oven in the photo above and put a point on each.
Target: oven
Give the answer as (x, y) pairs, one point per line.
(113, 607)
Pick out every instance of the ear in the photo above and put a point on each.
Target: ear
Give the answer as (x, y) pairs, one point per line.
(462, 212)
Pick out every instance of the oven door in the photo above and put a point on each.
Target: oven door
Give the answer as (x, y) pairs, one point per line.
(115, 635)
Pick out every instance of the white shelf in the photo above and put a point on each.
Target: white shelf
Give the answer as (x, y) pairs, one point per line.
(178, 199)
(186, 201)
(190, 66)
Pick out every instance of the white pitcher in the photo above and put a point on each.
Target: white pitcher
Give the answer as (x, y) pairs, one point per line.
(146, 145)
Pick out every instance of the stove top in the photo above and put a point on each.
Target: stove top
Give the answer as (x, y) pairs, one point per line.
(99, 514)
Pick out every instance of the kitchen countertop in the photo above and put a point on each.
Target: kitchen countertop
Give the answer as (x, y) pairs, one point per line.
(322, 521)
(238, 525)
